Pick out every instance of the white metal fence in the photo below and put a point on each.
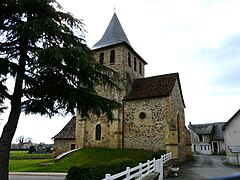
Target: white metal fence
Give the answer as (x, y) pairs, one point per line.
(142, 170)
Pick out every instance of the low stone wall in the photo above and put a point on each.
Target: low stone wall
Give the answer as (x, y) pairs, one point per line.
(62, 145)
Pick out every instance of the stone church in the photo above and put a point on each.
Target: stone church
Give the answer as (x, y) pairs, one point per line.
(152, 112)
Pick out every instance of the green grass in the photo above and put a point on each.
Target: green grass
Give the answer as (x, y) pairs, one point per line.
(24, 155)
(28, 165)
(80, 157)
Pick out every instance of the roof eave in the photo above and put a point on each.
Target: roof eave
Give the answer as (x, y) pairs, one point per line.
(229, 121)
(148, 97)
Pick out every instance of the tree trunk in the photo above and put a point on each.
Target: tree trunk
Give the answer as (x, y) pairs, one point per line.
(11, 125)
(6, 139)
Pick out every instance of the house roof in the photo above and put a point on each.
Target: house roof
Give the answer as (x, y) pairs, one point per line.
(218, 134)
(202, 129)
(230, 120)
(114, 34)
(155, 86)
(68, 132)
(214, 129)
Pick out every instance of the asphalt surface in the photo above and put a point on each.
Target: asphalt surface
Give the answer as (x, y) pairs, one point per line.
(206, 167)
(37, 176)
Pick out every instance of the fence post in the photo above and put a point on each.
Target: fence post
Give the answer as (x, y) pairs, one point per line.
(161, 169)
(148, 167)
(157, 166)
(108, 177)
(140, 170)
(128, 173)
(154, 159)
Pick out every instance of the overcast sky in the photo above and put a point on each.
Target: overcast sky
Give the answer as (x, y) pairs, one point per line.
(199, 39)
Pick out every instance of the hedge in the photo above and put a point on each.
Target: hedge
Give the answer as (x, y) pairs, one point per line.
(98, 171)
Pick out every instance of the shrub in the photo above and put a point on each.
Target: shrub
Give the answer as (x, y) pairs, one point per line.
(97, 172)
(31, 150)
(157, 155)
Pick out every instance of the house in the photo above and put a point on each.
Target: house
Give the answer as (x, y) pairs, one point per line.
(65, 139)
(231, 131)
(152, 113)
(207, 138)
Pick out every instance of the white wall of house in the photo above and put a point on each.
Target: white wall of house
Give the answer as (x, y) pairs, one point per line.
(222, 147)
(201, 147)
(232, 138)
(204, 148)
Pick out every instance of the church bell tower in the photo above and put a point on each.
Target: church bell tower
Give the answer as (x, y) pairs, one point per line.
(114, 51)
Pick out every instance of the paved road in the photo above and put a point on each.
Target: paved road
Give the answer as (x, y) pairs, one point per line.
(205, 167)
(37, 176)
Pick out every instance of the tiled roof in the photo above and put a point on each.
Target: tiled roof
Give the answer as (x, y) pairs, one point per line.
(68, 132)
(114, 34)
(202, 128)
(214, 129)
(218, 133)
(155, 86)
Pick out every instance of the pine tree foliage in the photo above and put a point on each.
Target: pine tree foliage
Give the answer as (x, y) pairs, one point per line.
(42, 49)
(58, 70)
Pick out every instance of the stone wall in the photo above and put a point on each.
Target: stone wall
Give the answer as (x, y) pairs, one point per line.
(163, 127)
(148, 132)
(121, 61)
(177, 137)
(111, 132)
(62, 145)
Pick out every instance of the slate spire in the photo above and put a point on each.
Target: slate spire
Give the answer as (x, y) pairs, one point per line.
(114, 34)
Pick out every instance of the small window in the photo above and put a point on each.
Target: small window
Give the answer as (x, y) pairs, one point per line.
(112, 56)
(135, 64)
(129, 60)
(142, 115)
(140, 68)
(98, 132)
(101, 58)
(200, 138)
(72, 146)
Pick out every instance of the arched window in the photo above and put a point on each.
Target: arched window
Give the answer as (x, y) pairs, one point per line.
(98, 132)
(135, 64)
(178, 128)
(112, 56)
(129, 60)
(101, 58)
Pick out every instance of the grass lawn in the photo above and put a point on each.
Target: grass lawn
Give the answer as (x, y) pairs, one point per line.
(80, 157)
(24, 155)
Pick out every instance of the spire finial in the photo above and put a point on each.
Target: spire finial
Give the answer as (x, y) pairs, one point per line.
(114, 9)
